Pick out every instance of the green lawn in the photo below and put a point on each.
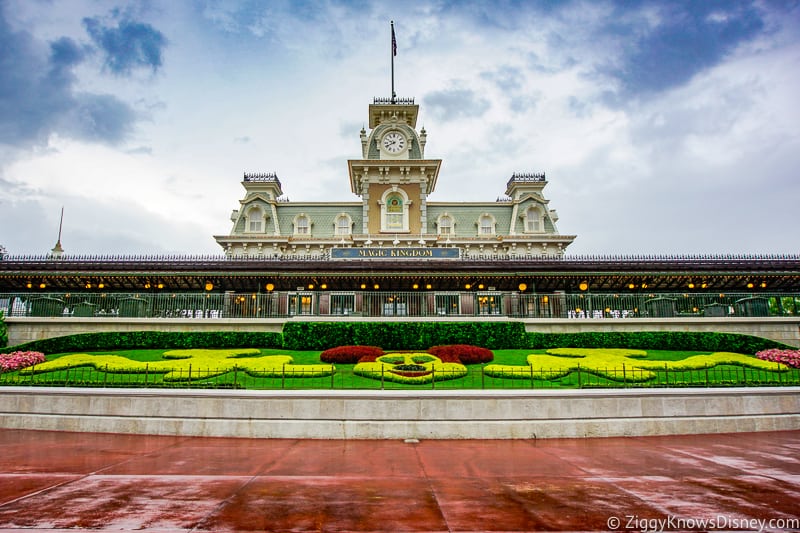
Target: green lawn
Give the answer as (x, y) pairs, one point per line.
(303, 370)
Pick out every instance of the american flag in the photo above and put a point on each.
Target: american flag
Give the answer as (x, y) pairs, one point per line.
(394, 43)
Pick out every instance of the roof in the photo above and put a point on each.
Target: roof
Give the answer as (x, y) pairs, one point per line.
(779, 273)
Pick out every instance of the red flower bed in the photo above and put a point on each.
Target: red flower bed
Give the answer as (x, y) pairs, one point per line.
(787, 357)
(350, 355)
(465, 354)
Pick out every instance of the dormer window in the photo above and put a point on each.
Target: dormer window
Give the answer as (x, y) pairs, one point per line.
(486, 225)
(255, 220)
(445, 225)
(343, 224)
(302, 225)
(534, 222)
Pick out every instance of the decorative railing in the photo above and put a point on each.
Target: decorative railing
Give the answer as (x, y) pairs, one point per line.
(157, 303)
(526, 177)
(378, 100)
(576, 259)
(268, 177)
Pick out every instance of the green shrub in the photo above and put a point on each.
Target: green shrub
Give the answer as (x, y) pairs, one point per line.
(128, 340)
(3, 330)
(402, 335)
(655, 340)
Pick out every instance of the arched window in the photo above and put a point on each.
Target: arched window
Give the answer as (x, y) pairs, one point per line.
(445, 225)
(533, 220)
(255, 220)
(394, 211)
(343, 225)
(301, 225)
(486, 225)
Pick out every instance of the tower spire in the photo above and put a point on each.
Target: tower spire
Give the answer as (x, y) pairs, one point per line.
(58, 250)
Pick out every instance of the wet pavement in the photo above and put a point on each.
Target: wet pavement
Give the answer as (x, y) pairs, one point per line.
(106, 482)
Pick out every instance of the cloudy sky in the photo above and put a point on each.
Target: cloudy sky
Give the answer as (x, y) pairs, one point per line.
(663, 127)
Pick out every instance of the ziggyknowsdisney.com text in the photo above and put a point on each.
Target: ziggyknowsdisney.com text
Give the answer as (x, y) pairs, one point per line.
(719, 522)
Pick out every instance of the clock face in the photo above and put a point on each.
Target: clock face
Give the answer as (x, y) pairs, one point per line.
(393, 142)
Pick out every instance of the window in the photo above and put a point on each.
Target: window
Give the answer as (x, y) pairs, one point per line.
(488, 303)
(448, 303)
(301, 303)
(486, 225)
(343, 303)
(395, 305)
(301, 225)
(394, 211)
(343, 225)
(255, 220)
(533, 220)
(445, 225)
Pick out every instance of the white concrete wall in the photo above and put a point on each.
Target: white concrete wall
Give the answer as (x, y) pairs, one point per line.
(402, 414)
(781, 329)
(26, 329)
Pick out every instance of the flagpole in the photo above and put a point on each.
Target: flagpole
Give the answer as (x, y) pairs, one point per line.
(394, 53)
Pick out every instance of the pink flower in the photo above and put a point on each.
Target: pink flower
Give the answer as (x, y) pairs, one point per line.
(787, 357)
(16, 360)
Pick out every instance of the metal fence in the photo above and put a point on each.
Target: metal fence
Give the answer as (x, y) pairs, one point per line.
(398, 304)
(476, 377)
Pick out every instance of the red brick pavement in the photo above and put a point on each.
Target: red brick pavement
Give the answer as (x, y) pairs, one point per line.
(105, 482)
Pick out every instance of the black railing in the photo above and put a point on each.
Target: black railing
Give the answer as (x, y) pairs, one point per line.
(475, 377)
(583, 258)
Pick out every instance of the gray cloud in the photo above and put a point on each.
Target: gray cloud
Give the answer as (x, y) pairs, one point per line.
(452, 104)
(507, 78)
(687, 38)
(37, 87)
(128, 45)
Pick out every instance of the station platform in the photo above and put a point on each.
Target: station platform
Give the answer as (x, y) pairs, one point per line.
(54, 481)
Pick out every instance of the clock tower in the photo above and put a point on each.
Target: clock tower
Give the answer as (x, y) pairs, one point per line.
(393, 177)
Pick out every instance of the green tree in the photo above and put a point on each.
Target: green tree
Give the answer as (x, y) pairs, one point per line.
(3, 330)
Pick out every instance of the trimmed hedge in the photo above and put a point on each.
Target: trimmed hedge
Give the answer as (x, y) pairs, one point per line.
(655, 340)
(462, 353)
(402, 335)
(129, 340)
(350, 355)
